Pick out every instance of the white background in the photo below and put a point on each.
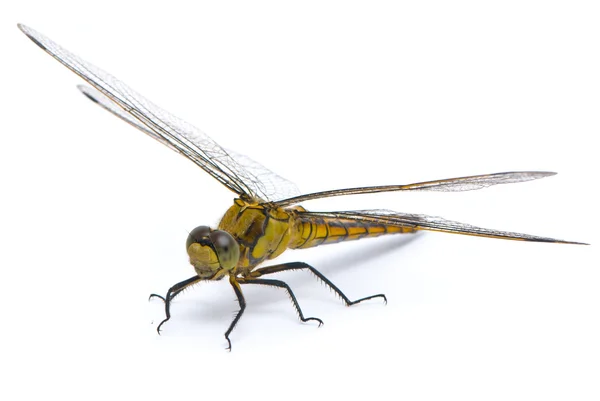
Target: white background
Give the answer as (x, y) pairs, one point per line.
(94, 215)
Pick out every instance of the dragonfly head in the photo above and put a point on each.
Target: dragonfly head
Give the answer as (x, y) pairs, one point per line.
(213, 253)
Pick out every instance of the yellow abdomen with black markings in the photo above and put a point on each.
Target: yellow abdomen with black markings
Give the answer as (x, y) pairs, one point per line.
(309, 231)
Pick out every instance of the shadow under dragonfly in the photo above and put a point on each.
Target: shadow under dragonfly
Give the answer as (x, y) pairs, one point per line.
(366, 253)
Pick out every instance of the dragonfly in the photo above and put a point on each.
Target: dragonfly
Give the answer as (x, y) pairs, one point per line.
(266, 217)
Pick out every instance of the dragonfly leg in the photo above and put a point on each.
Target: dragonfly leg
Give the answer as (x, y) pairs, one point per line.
(242, 302)
(172, 293)
(301, 265)
(281, 284)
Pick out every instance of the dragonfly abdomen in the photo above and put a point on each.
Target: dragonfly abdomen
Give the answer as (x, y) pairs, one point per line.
(311, 231)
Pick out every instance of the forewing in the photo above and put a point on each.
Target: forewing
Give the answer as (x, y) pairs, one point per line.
(431, 223)
(166, 128)
(476, 181)
(446, 185)
(273, 186)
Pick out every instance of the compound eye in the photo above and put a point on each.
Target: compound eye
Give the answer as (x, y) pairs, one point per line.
(227, 248)
(198, 234)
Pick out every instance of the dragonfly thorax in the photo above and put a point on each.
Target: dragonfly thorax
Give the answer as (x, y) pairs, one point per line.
(213, 253)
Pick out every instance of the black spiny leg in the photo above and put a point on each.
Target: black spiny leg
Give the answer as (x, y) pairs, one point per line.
(172, 293)
(281, 284)
(302, 265)
(242, 302)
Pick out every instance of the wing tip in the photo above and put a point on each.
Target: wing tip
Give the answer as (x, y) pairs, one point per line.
(554, 241)
(30, 34)
(573, 243)
(547, 173)
(87, 93)
(534, 175)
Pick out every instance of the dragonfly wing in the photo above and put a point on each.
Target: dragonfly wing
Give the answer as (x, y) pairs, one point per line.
(107, 104)
(446, 185)
(273, 186)
(431, 223)
(166, 128)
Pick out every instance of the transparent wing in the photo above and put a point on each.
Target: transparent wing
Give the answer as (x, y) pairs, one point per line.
(446, 185)
(239, 176)
(430, 223)
(274, 186)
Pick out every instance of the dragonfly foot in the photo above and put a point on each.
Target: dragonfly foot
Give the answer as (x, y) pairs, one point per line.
(316, 319)
(160, 325)
(350, 303)
(157, 296)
